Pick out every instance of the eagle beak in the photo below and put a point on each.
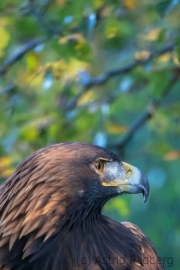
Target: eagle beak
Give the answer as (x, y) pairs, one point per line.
(128, 179)
(135, 181)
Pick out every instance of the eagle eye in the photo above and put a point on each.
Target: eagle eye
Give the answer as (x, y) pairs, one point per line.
(99, 165)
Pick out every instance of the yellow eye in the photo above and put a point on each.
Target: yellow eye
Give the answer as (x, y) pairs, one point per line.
(99, 165)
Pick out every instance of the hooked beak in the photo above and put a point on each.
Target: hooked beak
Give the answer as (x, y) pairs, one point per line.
(136, 181)
(129, 179)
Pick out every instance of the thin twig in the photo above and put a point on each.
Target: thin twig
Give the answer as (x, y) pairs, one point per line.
(144, 117)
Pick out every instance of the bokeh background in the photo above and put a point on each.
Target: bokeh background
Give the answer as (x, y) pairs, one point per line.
(101, 72)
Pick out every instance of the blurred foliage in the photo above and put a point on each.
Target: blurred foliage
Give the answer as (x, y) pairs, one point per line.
(87, 71)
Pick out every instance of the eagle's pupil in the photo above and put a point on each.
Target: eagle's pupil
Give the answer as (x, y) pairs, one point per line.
(99, 165)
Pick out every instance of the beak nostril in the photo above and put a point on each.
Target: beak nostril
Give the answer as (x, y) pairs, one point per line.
(128, 169)
(129, 173)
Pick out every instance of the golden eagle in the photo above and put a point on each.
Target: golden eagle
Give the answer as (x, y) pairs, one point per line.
(50, 213)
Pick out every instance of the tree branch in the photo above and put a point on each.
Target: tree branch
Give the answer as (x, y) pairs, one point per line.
(103, 78)
(148, 113)
(8, 89)
(15, 57)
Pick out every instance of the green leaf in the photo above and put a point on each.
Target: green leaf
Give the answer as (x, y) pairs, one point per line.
(159, 81)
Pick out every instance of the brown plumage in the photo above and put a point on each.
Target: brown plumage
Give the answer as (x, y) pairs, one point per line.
(50, 213)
